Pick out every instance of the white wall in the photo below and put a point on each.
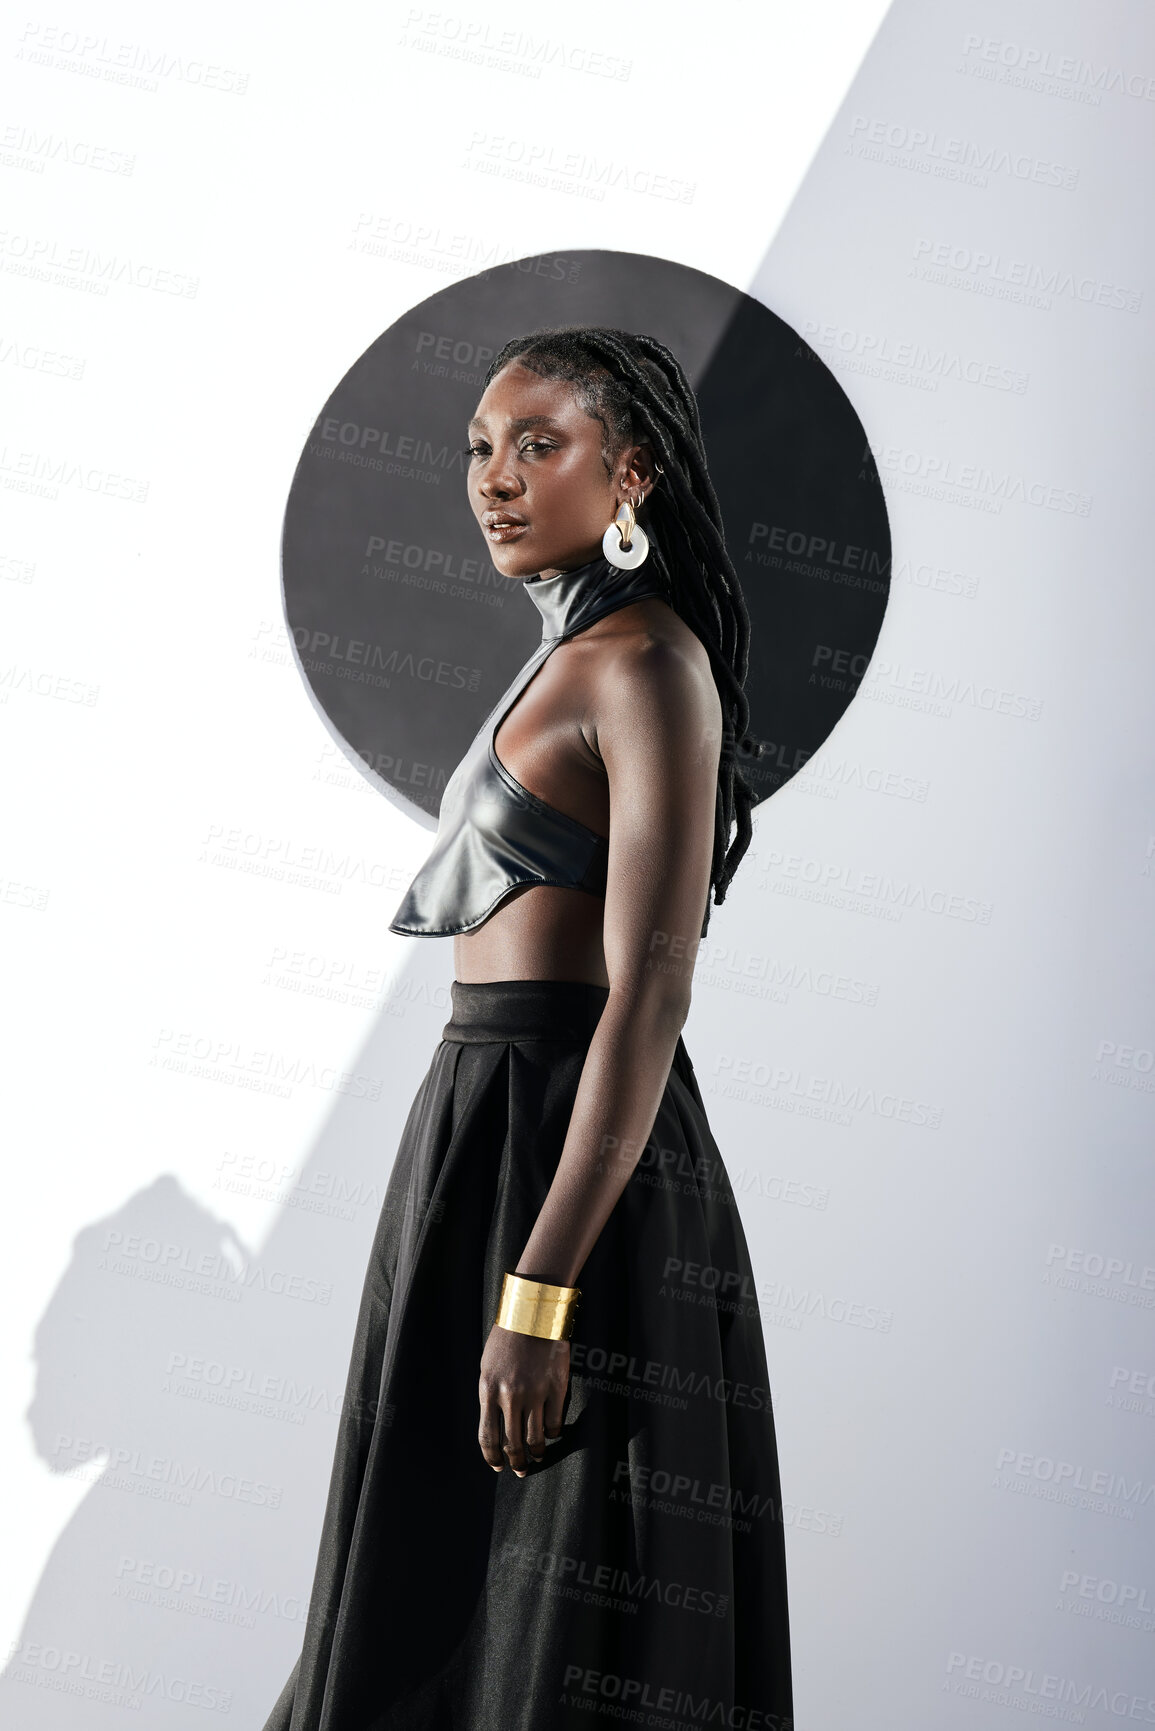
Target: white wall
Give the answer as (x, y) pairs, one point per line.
(940, 1161)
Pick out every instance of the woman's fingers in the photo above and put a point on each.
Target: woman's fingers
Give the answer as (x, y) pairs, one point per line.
(513, 1413)
(558, 1388)
(489, 1430)
(534, 1433)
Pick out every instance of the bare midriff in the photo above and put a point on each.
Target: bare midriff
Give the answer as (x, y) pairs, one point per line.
(538, 933)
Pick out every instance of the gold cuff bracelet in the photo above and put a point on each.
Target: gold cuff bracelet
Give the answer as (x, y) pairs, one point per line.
(535, 1307)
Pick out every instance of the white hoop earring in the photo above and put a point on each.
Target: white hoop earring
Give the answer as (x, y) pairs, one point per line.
(624, 543)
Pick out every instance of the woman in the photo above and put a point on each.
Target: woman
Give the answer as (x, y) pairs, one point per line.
(551, 1500)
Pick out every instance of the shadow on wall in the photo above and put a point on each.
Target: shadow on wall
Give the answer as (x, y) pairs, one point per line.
(196, 1386)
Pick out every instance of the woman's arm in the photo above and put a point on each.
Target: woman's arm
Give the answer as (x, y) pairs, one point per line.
(657, 723)
(659, 732)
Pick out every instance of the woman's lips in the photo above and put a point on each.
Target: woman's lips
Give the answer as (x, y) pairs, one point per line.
(506, 531)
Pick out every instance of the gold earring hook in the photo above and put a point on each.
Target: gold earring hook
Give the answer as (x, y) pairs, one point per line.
(625, 520)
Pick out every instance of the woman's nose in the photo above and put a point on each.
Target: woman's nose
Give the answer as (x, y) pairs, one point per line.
(499, 481)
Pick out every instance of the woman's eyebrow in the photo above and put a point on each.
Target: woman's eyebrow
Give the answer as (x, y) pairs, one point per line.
(479, 423)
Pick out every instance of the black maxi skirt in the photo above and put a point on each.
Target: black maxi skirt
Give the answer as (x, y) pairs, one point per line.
(638, 1572)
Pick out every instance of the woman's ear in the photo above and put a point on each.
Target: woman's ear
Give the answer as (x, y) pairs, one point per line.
(640, 469)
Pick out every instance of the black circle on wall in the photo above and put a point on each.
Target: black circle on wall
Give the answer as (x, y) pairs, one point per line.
(405, 632)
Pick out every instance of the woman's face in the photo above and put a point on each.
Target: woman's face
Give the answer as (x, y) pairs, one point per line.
(536, 464)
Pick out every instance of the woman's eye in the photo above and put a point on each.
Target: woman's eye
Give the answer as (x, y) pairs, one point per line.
(530, 445)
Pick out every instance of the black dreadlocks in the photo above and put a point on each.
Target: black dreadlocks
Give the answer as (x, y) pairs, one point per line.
(636, 388)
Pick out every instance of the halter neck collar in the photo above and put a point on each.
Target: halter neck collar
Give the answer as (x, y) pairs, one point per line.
(574, 599)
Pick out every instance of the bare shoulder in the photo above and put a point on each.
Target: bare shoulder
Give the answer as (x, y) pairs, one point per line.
(652, 664)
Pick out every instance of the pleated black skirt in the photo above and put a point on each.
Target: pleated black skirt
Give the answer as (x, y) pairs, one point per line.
(637, 1573)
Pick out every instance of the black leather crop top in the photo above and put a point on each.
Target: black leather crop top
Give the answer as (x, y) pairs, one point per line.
(493, 835)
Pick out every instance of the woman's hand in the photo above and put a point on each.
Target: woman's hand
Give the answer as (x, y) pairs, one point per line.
(522, 1391)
